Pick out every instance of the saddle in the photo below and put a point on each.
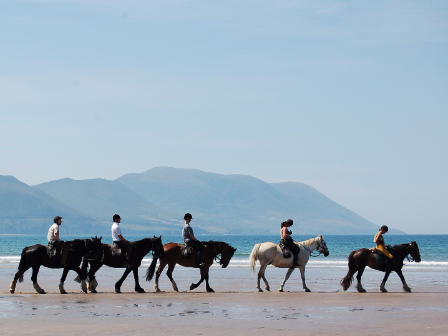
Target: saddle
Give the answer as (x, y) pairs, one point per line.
(116, 252)
(186, 251)
(380, 258)
(285, 250)
(53, 250)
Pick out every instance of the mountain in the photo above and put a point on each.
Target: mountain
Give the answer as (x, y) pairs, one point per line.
(244, 204)
(101, 199)
(25, 209)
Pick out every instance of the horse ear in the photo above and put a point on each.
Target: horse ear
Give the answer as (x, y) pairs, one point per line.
(101, 237)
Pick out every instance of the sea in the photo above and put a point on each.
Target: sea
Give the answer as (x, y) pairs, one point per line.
(433, 268)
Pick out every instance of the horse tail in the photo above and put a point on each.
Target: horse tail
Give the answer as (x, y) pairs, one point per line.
(152, 268)
(348, 279)
(85, 264)
(21, 268)
(253, 258)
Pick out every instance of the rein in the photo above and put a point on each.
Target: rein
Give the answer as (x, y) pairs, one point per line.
(311, 252)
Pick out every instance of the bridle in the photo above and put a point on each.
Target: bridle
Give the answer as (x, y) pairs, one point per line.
(319, 250)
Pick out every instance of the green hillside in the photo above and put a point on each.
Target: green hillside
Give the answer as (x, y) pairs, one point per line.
(24, 209)
(103, 198)
(253, 205)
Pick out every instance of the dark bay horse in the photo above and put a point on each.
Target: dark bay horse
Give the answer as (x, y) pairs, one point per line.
(140, 249)
(37, 255)
(358, 260)
(173, 256)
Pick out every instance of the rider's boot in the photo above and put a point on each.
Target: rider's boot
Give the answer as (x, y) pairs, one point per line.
(296, 260)
(199, 262)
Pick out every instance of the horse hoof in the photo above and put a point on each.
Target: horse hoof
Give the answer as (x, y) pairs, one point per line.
(191, 287)
(117, 290)
(93, 290)
(140, 290)
(307, 290)
(280, 290)
(362, 290)
(210, 290)
(260, 290)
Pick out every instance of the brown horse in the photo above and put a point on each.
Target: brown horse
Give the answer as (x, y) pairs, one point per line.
(173, 256)
(358, 260)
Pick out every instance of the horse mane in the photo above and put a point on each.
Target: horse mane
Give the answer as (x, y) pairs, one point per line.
(307, 242)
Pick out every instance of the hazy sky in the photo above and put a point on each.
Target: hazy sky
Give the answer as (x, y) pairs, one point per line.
(350, 97)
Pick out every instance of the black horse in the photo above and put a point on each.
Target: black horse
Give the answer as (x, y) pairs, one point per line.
(38, 255)
(113, 257)
(358, 260)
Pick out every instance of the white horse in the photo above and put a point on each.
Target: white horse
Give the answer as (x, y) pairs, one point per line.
(270, 253)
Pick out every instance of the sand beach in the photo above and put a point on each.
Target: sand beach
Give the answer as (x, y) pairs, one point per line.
(234, 309)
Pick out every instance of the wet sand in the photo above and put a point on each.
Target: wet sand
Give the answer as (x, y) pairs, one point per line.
(234, 309)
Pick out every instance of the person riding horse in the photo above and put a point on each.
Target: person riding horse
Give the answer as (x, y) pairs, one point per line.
(380, 245)
(287, 240)
(55, 242)
(119, 240)
(190, 239)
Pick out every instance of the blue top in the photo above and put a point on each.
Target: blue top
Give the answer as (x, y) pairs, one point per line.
(186, 232)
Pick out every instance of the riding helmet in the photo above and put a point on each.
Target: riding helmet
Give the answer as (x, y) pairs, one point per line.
(289, 221)
(385, 228)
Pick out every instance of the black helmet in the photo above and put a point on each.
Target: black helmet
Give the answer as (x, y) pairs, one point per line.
(289, 221)
(56, 219)
(188, 215)
(116, 217)
(385, 228)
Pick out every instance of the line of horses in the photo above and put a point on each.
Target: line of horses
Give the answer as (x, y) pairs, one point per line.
(92, 254)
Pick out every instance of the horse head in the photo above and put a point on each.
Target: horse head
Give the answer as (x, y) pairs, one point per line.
(322, 246)
(227, 253)
(414, 251)
(95, 248)
(157, 246)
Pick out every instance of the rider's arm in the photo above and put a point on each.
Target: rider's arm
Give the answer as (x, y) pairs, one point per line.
(378, 238)
(193, 237)
(122, 238)
(56, 236)
(285, 232)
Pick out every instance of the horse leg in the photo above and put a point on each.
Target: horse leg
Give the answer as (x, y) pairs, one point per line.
(169, 274)
(82, 276)
(288, 274)
(193, 285)
(383, 283)
(61, 283)
(137, 284)
(358, 278)
(405, 285)
(261, 275)
(34, 280)
(92, 283)
(162, 265)
(17, 277)
(302, 274)
(207, 286)
(120, 282)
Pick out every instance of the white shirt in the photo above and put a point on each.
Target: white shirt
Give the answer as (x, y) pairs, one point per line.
(116, 231)
(54, 230)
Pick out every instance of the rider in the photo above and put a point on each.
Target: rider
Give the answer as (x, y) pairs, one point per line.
(190, 239)
(55, 241)
(379, 240)
(119, 240)
(287, 241)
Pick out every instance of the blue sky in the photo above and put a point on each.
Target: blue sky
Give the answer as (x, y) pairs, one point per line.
(349, 97)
